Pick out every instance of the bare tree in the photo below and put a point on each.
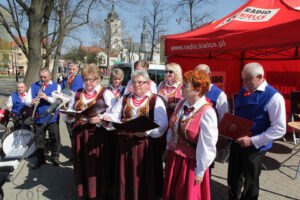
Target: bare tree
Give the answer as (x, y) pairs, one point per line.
(187, 11)
(32, 16)
(68, 16)
(99, 29)
(156, 21)
(46, 23)
(107, 33)
(129, 46)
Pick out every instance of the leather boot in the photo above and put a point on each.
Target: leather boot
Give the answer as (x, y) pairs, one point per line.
(55, 161)
(40, 159)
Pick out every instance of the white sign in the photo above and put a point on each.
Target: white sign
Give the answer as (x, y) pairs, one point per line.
(251, 14)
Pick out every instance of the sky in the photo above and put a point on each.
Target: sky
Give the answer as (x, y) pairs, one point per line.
(132, 19)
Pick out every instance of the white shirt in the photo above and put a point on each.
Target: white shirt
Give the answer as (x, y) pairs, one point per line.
(116, 89)
(108, 96)
(208, 136)
(160, 114)
(9, 103)
(152, 87)
(113, 90)
(221, 105)
(277, 117)
(29, 96)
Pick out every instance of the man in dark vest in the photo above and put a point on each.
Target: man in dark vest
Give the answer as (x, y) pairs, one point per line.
(216, 96)
(72, 82)
(16, 102)
(264, 105)
(40, 94)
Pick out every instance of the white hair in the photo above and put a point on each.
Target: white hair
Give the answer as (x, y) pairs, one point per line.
(204, 67)
(141, 73)
(253, 69)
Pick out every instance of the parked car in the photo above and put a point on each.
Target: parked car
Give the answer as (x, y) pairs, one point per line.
(156, 72)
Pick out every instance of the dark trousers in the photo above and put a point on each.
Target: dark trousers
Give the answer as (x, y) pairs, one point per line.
(19, 124)
(69, 128)
(54, 136)
(244, 170)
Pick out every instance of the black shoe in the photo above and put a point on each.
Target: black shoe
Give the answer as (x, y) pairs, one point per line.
(39, 163)
(55, 161)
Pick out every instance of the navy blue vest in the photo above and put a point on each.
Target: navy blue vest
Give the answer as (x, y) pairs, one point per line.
(253, 107)
(213, 95)
(42, 107)
(17, 103)
(76, 84)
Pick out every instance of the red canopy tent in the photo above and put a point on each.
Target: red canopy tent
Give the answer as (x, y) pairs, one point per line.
(266, 31)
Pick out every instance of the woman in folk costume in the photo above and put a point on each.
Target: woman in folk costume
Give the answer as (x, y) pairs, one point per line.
(117, 76)
(191, 139)
(88, 136)
(141, 65)
(135, 177)
(170, 89)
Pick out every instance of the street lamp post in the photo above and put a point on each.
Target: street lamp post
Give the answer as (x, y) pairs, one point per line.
(17, 66)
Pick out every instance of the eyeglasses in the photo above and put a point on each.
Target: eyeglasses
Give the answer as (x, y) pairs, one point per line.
(138, 83)
(170, 71)
(90, 80)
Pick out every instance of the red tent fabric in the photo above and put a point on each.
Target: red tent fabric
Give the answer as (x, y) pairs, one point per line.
(266, 31)
(256, 25)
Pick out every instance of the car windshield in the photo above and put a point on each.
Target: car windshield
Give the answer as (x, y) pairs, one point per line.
(156, 75)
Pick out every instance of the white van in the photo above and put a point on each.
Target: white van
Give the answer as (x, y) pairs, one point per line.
(155, 71)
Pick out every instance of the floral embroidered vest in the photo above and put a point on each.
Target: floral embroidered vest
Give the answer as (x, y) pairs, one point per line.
(80, 106)
(173, 97)
(145, 110)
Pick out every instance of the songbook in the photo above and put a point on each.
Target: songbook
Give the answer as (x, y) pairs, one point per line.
(97, 108)
(140, 124)
(234, 127)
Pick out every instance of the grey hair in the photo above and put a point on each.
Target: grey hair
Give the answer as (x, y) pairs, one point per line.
(21, 82)
(117, 73)
(45, 69)
(204, 67)
(253, 69)
(141, 73)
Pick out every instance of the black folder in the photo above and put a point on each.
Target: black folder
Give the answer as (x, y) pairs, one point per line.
(140, 124)
(97, 108)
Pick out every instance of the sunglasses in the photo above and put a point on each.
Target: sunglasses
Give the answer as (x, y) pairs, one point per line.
(169, 71)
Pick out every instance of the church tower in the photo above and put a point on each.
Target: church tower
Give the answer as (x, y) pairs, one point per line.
(145, 38)
(113, 30)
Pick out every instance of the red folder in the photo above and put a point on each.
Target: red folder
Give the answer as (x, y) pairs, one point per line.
(234, 127)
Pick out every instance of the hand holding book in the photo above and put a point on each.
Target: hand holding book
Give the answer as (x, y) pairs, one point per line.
(234, 127)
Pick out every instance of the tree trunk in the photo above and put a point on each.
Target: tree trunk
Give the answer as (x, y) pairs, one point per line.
(34, 35)
(57, 55)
